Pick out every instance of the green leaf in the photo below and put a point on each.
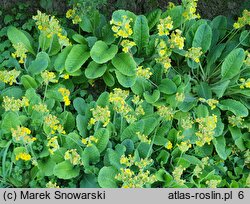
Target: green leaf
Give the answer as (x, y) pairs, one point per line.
(17, 36)
(220, 146)
(102, 135)
(237, 137)
(141, 32)
(176, 15)
(131, 130)
(113, 156)
(234, 106)
(109, 79)
(39, 64)
(203, 37)
(28, 82)
(80, 105)
(220, 88)
(46, 167)
(153, 18)
(101, 53)
(65, 170)
(204, 90)
(89, 181)
(232, 64)
(125, 63)
(167, 86)
(59, 63)
(77, 56)
(90, 155)
(125, 81)
(245, 38)
(95, 70)
(12, 91)
(81, 124)
(106, 177)
(10, 120)
(152, 98)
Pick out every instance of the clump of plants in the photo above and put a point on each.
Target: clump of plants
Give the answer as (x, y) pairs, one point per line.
(174, 111)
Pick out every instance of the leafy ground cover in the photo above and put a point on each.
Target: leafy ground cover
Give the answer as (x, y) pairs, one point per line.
(154, 100)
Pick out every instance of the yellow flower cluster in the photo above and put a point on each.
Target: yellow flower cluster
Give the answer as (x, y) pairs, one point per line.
(176, 41)
(144, 73)
(244, 20)
(89, 141)
(247, 60)
(127, 45)
(165, 26)
(100, 114)
(53, 145)
(40, 108)
(177, 173)
(211, 102)
(190, 9)
(72, 14)
(117, 98)
(50, 26)
(169, 145)
(143, 138)
(184, 146)
(194, 53)
(54, 124)
(213, 183)
(65, 93)
(23, 156)
(12, 104)
(235, 121)
(138, 102)
(20, 52)
(48, 77)
(52, 185)
(164, 55)
(199, 167)
(9, 77)
(130, 178)
(22, 134)
(186, 123)
(245, 83)
(72, 156)
(122, 28)
(165, 112)
(206, 129)
(179, 97)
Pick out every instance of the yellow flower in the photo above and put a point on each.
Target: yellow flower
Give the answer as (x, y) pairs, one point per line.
(169, 145)
(244, 20)
(165, 112)
(20, 52)
(23, 156)
(40, 108)
(144, 73)
(12, 104)
(143, 138)
(127, 45)
(190, 9)
(51, 185)
(9, 77)
(165, 26)
(54, 124)
(89, 141)
(211, 102)
(100, 114)
(72, 156)
(65, 93)
(176, 41)
(122, 29)
(50, 26)
(53, 145)
(21, 134)
(207, 126)
(184, 146)
(48, 77)
(194, 53)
